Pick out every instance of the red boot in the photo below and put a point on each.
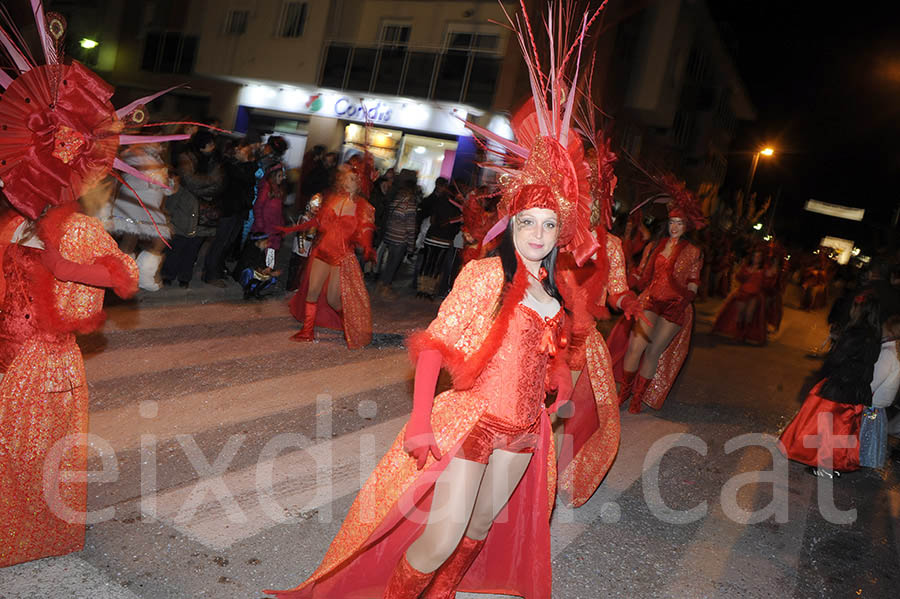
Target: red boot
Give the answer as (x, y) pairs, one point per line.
(406, 582)
(640, 385)
(451, 572)
(627, 383)
(308, 332)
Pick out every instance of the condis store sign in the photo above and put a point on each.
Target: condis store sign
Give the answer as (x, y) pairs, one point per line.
(411, 114)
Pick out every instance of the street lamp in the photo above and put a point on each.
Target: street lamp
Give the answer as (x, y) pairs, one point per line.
(767, 152)
(88, 44)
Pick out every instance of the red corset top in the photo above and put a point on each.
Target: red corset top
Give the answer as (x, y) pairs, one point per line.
(513, 379)
(753, 281)
(336, 234)
(660, 287)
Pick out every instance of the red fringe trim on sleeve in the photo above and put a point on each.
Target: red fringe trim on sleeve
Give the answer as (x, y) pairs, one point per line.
(50, 226)
(124, 283)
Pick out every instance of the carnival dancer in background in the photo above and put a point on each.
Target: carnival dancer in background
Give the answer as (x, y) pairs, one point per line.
(479, 214)
(485, 445)
(61, 135)
(834, 407)
(332, 293)
(774, 284)
(648, 358)
(634, 240)
(588, 437)
(135, 223)
(743, 314)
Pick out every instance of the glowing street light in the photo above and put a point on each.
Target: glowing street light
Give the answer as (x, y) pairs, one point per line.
(89, 44)
(767, 151)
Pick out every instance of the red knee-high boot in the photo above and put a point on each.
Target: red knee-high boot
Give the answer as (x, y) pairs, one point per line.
(308, 332)
(640, 385)
(451, 572)
(627, 384)
(406, 582)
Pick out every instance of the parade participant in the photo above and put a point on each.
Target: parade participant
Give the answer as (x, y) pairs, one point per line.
(477, 221)
(775, 282)
(486, 444)
(137, 221)
(834, 406)
(634, 240)
(648, 358)
(743, 314)
(60, 138)
(589, 439)
(332, 293)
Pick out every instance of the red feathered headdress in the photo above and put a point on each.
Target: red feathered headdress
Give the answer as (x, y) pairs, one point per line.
(548, 152)
(681, 202)
(60, 133)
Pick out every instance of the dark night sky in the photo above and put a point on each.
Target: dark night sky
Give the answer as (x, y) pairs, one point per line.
(825, 79)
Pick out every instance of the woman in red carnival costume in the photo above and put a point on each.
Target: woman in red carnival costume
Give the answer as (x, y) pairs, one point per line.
(332, 292)
(835, 404)
(590, 434)
(776, 279)
(424, 524)
(60, 138)
(477, 221)
(743, 314)
(648, 358)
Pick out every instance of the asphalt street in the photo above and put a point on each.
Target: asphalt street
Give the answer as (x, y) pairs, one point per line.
(225, 456)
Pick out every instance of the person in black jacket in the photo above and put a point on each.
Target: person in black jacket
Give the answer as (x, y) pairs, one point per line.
(831, 414)
(234, 205)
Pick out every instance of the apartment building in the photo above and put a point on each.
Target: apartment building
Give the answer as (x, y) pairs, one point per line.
(318, 71)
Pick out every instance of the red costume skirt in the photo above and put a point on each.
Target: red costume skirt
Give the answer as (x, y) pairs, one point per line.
(821, 431)
(491, 433)
(670, 309)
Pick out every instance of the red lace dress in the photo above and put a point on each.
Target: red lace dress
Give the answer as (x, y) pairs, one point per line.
(666, 281)
(43, 392)
(752, 288)
(499, 361)
(338, 236)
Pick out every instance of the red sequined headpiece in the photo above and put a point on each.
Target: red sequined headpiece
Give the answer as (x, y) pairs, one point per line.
(548, 152)
(60, 133)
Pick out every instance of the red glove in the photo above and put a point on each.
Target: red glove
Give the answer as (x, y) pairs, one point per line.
(95, 275)
(632, 308)
(369, 254)
(687, 299)
(561, 382)
(419, 439)
(310, 224)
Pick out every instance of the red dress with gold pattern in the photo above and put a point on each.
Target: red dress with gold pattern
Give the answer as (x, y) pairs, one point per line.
(338, 236)
(499, 363)
(43, 392)
(592, 433)
(666, 282)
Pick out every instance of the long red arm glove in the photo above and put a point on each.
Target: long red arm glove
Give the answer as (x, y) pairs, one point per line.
(95, 275)
(632, 308)
(310, 224)
(419, 439)
(687, 299)
(561, 382)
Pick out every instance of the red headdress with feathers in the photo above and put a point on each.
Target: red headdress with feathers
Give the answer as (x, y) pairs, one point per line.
(60, 133)
(548, 169)
(682, 203)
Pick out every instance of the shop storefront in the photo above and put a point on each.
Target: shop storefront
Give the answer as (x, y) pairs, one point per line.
(426, 137)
